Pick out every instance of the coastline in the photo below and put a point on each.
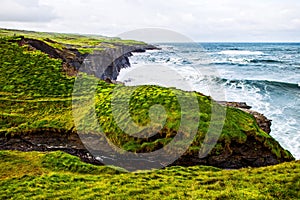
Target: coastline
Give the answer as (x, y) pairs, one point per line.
(38, 135)
(259, 148)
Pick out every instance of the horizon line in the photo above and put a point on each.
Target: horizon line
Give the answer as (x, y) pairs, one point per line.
(159, 42)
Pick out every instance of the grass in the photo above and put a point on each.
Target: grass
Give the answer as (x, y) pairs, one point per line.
(58, 175)
(84, 43)
(35, 95)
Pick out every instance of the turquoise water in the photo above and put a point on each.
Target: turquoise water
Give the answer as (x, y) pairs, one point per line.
(264, 75)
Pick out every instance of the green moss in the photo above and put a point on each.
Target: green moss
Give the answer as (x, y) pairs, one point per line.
(84, 43)
(31, 73)
(58, 175)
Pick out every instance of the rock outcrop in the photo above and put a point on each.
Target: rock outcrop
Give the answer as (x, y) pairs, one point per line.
(236, 155)
(252, 153)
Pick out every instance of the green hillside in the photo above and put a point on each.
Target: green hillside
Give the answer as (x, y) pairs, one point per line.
(36, 96)
(60, 176)
(84, 43)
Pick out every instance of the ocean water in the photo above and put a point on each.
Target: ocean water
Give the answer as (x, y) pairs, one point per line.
(264, 75)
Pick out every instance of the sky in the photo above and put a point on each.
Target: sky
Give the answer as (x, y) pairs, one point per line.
(199, 20)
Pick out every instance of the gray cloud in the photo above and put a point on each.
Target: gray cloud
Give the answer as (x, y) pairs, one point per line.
(25, 11)
(205, 20)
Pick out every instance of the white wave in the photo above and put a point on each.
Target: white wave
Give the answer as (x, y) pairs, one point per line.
(229, 61)
(238, 52)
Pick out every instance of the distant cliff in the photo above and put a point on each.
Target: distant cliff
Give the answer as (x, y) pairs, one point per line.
(105, 64)
(108, 63)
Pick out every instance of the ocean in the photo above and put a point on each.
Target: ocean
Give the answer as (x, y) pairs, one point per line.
(264, 75)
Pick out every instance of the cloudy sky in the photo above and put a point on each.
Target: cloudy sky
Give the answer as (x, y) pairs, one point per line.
(200, 20)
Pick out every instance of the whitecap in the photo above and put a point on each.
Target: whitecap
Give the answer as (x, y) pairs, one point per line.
(239, 52)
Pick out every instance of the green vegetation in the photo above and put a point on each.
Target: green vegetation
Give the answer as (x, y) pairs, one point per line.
(36, 95)
(58, 175)
(83, 43)
(31, 73)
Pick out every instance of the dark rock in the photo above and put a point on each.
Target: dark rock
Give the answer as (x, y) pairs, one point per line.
(252, 153)
(139, 51)
(238, 105)
(112, 71)
(44, 141)
(144, 48)
(107, 64)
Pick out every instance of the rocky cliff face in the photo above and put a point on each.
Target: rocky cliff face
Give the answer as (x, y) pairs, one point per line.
(113, 70)
(238, 155)
(104, 64)
(108, 63)
(251, 153)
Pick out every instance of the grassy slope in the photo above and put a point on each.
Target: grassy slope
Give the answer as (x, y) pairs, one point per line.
(84, 43)
(35, 95)
(59, 175)
(33, 90)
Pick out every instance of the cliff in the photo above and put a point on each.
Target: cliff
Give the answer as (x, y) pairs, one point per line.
(108, 63)
(105, 63)
(37, 81)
